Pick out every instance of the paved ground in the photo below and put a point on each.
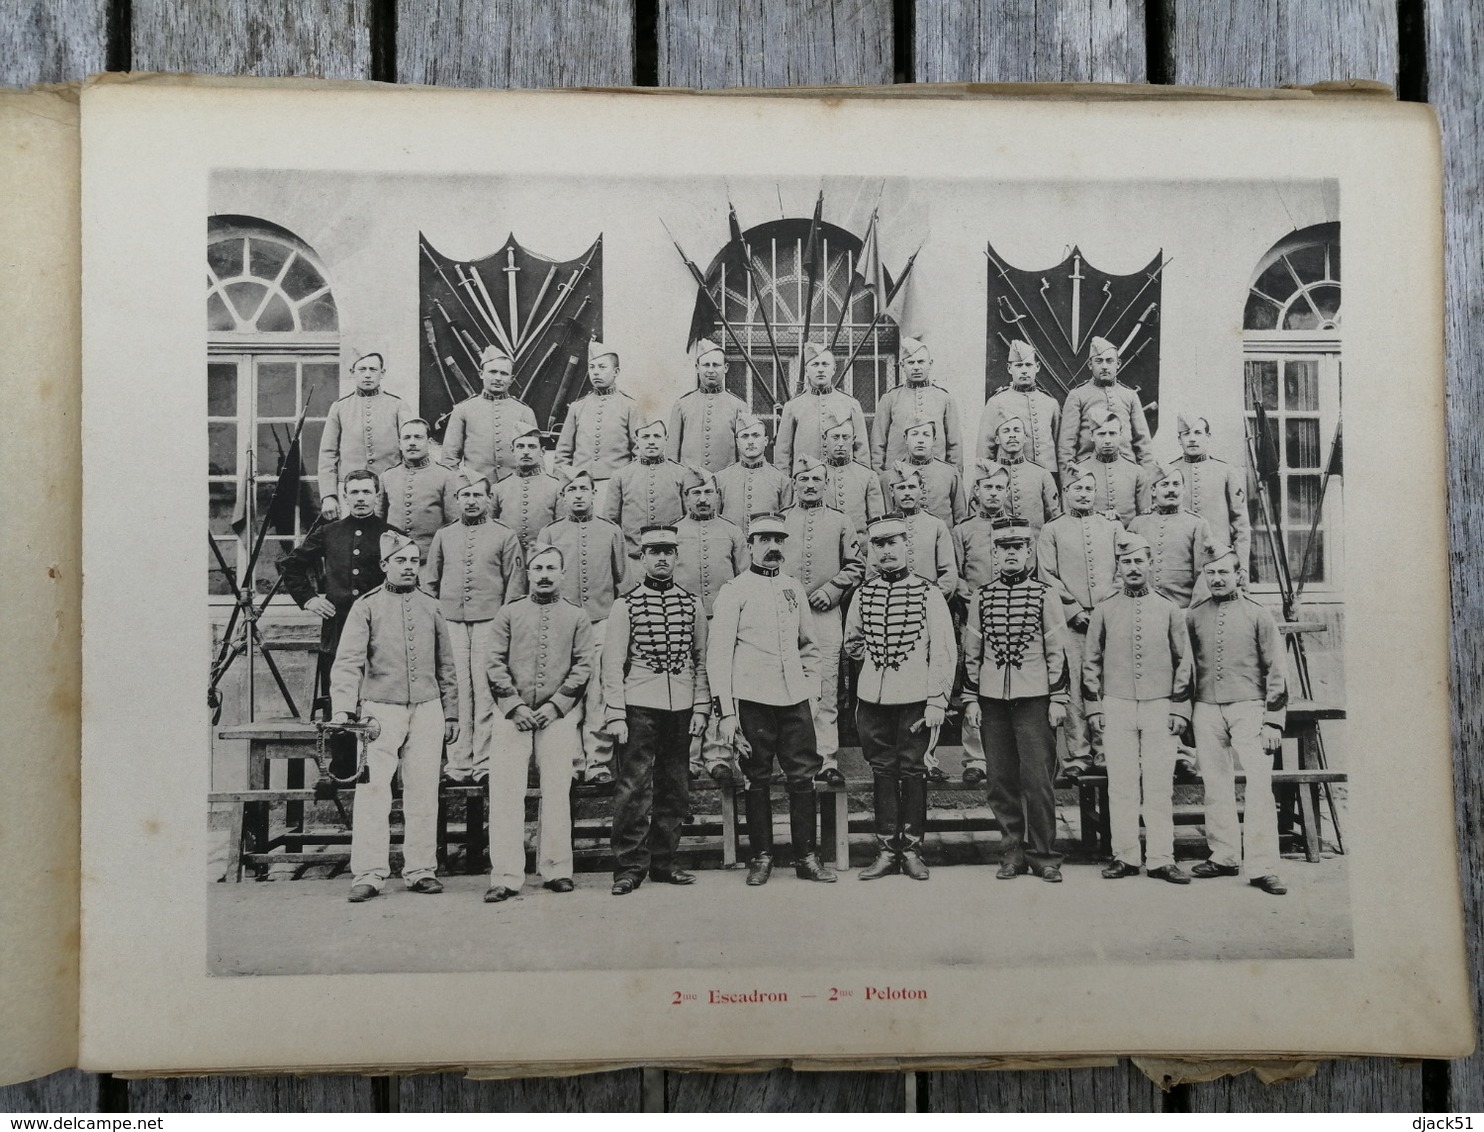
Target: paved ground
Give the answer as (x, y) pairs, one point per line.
(963, 915)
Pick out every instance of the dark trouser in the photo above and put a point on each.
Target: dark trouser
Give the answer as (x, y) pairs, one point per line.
(897, 756)
(787, 735)
(1021, 753)
(329, 641)
(651, 792)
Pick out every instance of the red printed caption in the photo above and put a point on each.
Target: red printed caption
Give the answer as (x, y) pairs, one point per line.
(758, 997)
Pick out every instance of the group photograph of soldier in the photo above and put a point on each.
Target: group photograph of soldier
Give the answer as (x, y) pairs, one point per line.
(855, 552)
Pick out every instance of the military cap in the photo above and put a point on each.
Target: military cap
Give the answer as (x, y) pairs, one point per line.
(814, 350)
(1077, 475)
(1164, 472)
(575, 478)
(766, 523)
(1130, 541)
(658, 535)
(885, 528)
(470, 478)
(596, 350)
(806, 463)
(414, 420)
(910, 346)
(1107, 419)
(747, 421)
(835, 419)
(1100, 346)
(362, 355)
(901, 472)
(989, 470)
(698, 477)
(703, 347)
(1018, 420)
(536, 432)
(923, 422)
(651, 426)
(1184, 424)
(493, 354)
(393, 541)
(542, 548)
(1022, 351)
(1011, 528)
(1215, 552)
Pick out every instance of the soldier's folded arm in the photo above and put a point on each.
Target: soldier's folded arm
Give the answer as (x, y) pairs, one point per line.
(453, 438)
(350, 660)
(579, 671)
(497, 670)
(297, 565)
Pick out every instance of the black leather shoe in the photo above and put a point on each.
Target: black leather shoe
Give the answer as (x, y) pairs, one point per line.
(360, 893)
(1269, 884)
(1185, 772)
(884, 865)
(759, 869)
(830, 776)
(624, 884)
(1051, 874)
(600, 777)
(1172, 873)
(1119, 869)
(1207, 869)
(428, 886)
(1073, 773)
(936, 774)
(974, 776)
(721, 774)
(810, 867)
(498, 893)
(912, 865)
(1009, 870)
(561, 884)
(674, 876)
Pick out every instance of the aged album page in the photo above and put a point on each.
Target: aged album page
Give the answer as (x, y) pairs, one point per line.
(40, 559)
(372, 250)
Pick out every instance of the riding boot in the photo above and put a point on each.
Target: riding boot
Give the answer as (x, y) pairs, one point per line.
(803, 822)
(888, 810)
(914, 823)
(885, 863)
(759, 832)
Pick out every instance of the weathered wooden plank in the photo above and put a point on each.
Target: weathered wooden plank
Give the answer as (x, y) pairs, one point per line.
(1372, 1085)
(452, 1092)
(67, 1091)
(783, 1090)
(313, 1093)
(1455, 55)
(52, 41)
(507, 43)
(314, 38)
(1271, 42)
(722, 43)
(1029, 41)
(1121, 1088)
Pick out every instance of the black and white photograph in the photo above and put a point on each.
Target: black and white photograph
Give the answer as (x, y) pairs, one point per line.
(795, 570)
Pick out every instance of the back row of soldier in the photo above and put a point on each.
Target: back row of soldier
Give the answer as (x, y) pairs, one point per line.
(621, 491)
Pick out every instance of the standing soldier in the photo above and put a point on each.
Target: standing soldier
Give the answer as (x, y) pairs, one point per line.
(1092, 402)
(1032, 493)
(1122, 485)
(598, 434)
(419, 495)
(1137, 684)
(395, 666)
(1039, 411)
(1241, 701)
(1214, 489)
(527, 499)
(1077, 554)
(852, 487)
(539, 663)
(764, 670)
(751, 485)
(929, 552)
(978, 561)
(654, 668)
(899, 630)
(1177, 538)
(345, 555)
(646, 493)
(712, 552)
(917, 399)
(480, 429)
(942, 486)
(474, 567)
(361, 432)
(595, 565)
(823, 555)
(703, 424)
(1017, 682)
(801, 430)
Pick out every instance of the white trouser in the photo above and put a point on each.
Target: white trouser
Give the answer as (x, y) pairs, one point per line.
(1140, 754)
(510, 759)
(469, 754)
(829, 634)
(413, 736)
(1222, 731)
(596, 749)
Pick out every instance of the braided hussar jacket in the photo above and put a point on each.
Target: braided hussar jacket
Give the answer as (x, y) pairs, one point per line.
(899, 629)
(1014, 640)
(654, 651)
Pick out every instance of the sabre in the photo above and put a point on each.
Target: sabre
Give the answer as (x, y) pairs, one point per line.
(438, 361)
(448, 360)
(489, 306)
(468, 285)
(469, 344)
(536, 306)
(570, 368)
(423, 245)
(1149, 279)
(524, 389)
(1076, 278)
(511, 294)
(1005, 275)
(454, 327)
(1091, 326)
(1006, 309)
(1046, 286)
(1138, 326)
(566, 290)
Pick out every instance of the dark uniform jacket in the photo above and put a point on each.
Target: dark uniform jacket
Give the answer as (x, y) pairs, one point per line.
(345, 555)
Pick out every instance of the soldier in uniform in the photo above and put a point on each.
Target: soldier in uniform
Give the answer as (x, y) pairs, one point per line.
(751, 485)
(596, 564)
(473, 568)
(917, 399)
(1241, 702)
(1122, 485)
(418, 495)
(822, 554)
(1032, 494)
(528, 498)
(344, 555)
(929, 543)
(1077, 553)
(801, 430)
(1137, 683)
(646, 493)
(658, 699)
(899, 630)
(851, 487)
(1017, 693)
(764, 668)
(942, 486)
(395, 665)
(539, 663)
(703, 424)
(1092, 402)
(598, 434)
(361, 432)
(712, 552)
(978, 561)
(1039, 411)
(480, 429)
(1214, 489)
(1177, 538)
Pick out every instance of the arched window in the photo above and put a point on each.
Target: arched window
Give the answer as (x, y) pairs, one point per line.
(1291, 353)
(272, 343)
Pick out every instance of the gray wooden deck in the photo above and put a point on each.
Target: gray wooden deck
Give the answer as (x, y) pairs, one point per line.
(1429, 51)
